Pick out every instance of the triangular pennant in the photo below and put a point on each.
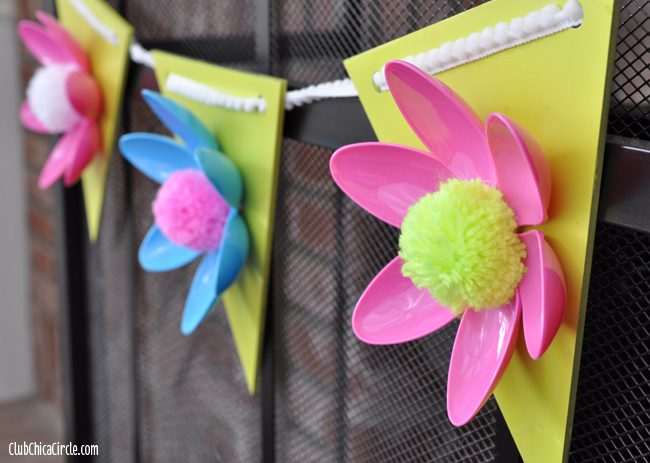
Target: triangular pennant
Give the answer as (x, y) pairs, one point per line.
(109, 63)
(252, 141)
(557, 87)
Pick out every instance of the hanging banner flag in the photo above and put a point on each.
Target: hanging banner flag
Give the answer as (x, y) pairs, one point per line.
(548, 68)
(240, 115)
(105, 37)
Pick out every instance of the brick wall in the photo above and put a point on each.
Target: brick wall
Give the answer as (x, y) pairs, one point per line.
(44, 290)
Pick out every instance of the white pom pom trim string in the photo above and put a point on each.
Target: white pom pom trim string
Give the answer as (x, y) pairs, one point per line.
(102, 29)
(535, 25)
(212, 97)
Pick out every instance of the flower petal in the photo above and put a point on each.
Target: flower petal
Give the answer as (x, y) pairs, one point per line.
(445, 123)
(543, 294)
(234, 251)
(45, 48)
(482, 351)
(155, 155)
(386, 179)
(180, 121)
(218, 270)
(522, 170)
(158, 254)
(393, 310)
(223, 174)
(59, 159)
(66, 40)
(29, 119)
(84, 94)
(86, 143)
(203, 293)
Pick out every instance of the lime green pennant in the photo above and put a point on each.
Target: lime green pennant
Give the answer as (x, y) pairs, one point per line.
(109, 66)
(558, 87)
(252, 142)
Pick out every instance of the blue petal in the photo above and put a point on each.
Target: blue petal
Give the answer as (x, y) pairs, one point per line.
(158, 254)
(203, 293)
(218, 270)
(156, 156)
(180, 121)
(234, 247)
(223, 174)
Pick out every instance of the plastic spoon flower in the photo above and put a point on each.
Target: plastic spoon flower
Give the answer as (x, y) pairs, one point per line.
(62, 97)
(196, 208)
(461, 251)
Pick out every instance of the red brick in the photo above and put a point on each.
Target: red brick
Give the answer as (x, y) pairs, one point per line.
(37, 149)
(45, 293)
(41, 224)
(308, 165)
(43, 198)
(46, 351)
(44, 258)
(311, 348)
(310, 284)
(312, 225)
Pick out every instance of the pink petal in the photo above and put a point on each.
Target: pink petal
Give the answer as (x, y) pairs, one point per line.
(29, 119)
(84, 94)
(445, 123)
(86, 143)
(46, 49)
(386, 179)
(522, 170)
(482, 351)
(58, 160)
(66, 40)
(392, 310)
(543, 294)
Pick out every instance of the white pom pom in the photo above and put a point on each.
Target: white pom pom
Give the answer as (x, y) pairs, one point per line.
(501, 33)
(573, 10)
(377, 78)
(531, 22)
(48, 98)
(474, 43)
(560, 17)
(547, 15)
(261, 105)
(487, 38)
(410, 59)
(239, 104)
(433, 59)
(517, 28)
(460, 49)
(447, 52)
(250, 105)
(421, 61)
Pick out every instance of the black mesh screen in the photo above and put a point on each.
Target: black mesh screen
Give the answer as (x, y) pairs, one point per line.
(159, 396)
(612, 420)
(339, 399)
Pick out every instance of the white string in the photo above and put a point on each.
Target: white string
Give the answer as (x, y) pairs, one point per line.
(211, 97)
(102, 29)
(141, 56)
(343, 88)
(535, 25)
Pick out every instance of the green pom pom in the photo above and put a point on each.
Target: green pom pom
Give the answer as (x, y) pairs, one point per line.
(461, 244)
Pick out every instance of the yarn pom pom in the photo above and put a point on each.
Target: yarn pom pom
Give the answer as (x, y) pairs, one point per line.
(461, 244)
(48, 98)
(190, 212)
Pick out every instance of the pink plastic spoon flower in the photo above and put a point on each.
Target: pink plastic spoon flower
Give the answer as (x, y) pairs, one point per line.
(62, 97)
(453, 247)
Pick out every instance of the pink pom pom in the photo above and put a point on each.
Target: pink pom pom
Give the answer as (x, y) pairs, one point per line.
(190, 211)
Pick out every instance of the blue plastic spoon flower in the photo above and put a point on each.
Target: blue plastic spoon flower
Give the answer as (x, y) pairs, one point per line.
(196, 209)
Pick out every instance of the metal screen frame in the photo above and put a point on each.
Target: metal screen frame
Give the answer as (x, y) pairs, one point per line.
(329, 124)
